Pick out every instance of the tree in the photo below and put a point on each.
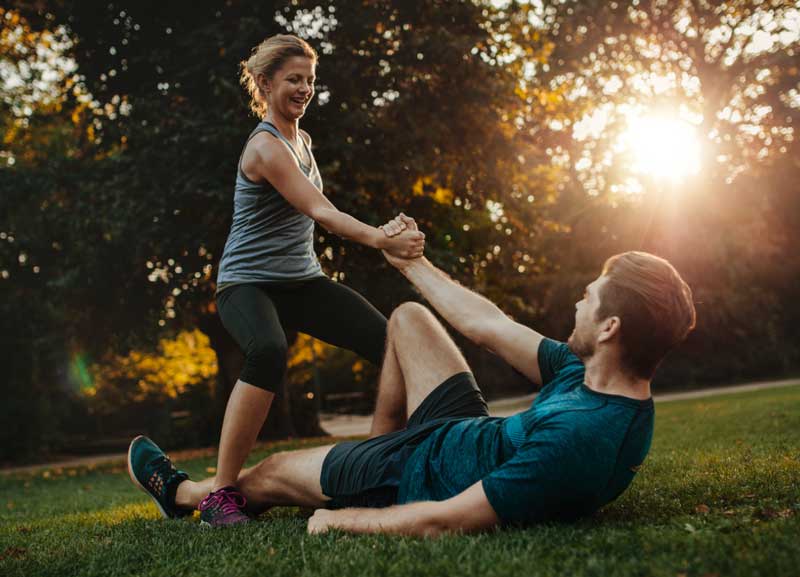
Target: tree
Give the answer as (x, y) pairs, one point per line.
(152, 185)
(36, 130)
(496, 126)
(730, 68)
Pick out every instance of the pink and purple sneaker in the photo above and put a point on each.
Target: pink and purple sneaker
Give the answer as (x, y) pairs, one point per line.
(223, 508)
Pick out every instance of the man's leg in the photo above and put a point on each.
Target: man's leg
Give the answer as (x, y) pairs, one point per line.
(287, 478)
(420, 355)
(390, 405)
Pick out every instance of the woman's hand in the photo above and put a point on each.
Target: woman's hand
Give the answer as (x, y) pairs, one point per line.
(408, 244)
(394, 226)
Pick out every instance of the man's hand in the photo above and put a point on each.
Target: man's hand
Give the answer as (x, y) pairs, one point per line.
(320, 522)
(397, 262)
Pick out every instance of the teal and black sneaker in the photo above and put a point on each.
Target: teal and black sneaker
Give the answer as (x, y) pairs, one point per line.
(152, 471)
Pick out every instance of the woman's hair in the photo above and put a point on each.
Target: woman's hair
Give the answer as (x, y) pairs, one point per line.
(266, 59)
(653, 303)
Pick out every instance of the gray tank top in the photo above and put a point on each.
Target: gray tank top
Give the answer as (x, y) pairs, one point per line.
(270, 240)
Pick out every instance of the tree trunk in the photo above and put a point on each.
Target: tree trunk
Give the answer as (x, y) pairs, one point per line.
(299, 412)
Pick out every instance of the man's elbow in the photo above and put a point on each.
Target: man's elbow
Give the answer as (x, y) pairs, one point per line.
(432, 527)
(425, 520)
(437, 525)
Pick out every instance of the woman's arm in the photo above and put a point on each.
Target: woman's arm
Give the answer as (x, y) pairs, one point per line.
(271, 160)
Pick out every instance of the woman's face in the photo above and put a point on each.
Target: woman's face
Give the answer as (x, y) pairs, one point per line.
(291, 87)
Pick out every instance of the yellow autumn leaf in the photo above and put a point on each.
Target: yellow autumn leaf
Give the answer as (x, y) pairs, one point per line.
(427, 186)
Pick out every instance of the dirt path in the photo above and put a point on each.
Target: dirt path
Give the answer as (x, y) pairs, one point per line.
(349, 425)
(352, 425)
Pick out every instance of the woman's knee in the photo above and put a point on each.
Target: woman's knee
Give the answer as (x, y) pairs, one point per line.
(265, 364)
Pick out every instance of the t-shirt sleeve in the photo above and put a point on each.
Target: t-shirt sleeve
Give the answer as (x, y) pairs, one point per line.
(531, 486)
(553, 357)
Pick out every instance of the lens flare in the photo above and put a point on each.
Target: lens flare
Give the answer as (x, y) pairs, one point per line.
(662, 147)
(79, 372)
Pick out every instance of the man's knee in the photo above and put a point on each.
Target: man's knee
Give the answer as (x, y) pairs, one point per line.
(435, 351)
(288, 478)
(409, 315)
(264, 474)
(263, 468)
(259, 483)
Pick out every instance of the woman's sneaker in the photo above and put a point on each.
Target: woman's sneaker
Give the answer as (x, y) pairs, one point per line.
(222, 508)
(152, 471)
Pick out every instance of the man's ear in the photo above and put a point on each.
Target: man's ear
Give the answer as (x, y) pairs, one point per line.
(609, 328)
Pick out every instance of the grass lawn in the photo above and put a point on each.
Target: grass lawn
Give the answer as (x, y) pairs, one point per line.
(718, 495)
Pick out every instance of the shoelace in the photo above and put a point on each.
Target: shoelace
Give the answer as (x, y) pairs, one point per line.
(227, 501)
(163, 472)
(164, 467)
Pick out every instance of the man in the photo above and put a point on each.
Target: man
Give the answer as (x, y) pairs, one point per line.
(435, 461)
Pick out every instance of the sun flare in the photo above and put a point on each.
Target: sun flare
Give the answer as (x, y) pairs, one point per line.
(662, 147)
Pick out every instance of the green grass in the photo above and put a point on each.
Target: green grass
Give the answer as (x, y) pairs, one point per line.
(718, 495)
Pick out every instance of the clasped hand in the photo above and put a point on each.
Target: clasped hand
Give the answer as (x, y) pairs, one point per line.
(404, 239)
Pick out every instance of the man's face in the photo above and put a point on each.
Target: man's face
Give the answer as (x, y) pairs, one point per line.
(583, 340)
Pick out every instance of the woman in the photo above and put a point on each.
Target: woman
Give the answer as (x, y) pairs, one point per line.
(269, 278)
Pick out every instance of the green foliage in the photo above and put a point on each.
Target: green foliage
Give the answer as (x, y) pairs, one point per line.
(132, 213)
(172, 120)
(178, 365)
(717, 495)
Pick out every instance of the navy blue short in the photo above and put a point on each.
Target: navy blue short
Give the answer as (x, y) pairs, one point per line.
(367, 473)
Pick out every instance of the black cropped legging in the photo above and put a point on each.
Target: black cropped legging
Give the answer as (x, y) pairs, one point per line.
(258, 315)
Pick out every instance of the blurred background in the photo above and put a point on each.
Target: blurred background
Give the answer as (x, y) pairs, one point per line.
(531, 140)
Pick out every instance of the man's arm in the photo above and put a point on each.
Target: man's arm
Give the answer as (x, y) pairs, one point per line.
(474, 316)
(467, 512)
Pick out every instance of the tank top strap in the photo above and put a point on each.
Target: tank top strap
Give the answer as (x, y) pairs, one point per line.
(265, 126)
(272, 129)
(308, 150)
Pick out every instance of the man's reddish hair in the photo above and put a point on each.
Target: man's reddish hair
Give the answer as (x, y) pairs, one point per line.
(654, 305)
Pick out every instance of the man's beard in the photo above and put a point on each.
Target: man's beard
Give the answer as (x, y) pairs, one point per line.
(581, 347)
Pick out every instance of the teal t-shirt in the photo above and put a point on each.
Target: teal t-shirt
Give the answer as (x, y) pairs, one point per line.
(570, 453)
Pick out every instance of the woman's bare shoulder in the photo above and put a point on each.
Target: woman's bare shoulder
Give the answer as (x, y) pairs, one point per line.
(263, 151)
